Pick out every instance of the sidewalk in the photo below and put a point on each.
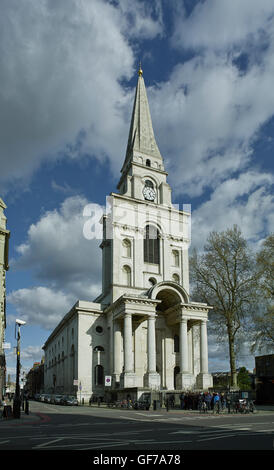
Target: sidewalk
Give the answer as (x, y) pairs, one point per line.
(31, 418)
(259, 408)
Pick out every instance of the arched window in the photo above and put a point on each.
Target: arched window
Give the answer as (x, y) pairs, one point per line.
(176, 278)
(151, 245)
(148, 162)
(126, 275)
(127, 248)
(98, 348)
(98, 375)
(175, 257)
(149, 184)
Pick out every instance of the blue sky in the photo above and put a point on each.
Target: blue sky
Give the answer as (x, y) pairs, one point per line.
(68, 74)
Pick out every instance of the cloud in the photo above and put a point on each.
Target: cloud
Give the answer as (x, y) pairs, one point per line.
(246, 201)
(59, 256)
(41, 305)
(212, 114)
(61, 64)
(219, 24)
(58, 253)
(32, 354)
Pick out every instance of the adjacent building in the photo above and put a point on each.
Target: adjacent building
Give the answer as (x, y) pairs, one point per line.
(35, 379)
(4, 266)
(143, 332)
(264, 381)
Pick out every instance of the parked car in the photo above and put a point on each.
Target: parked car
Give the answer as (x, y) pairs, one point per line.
(47, 398)
(37, 397)
(69, 400)
(52, 398)
(57, 399)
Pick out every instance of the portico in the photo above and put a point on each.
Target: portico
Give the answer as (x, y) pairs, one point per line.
(137, 317)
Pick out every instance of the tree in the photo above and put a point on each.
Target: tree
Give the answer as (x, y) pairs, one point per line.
(224, 277)
(244, 380)
(264, 317)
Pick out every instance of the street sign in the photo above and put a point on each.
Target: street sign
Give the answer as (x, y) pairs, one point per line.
(107, 380)
(6, 346)
(75, 382)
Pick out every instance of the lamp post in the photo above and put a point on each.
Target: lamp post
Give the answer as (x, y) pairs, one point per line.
(17, 399)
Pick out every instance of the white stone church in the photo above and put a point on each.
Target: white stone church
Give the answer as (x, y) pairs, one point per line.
(142, 333)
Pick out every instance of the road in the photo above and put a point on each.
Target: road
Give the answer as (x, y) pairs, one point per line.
(103, 429)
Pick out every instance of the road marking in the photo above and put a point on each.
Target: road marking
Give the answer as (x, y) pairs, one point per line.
(48, 443)
(265, 430)
(167, 442)
(184, 432)
(135, 419)
(4, 442)
(106, 445)
(93, 445)
(216, 437)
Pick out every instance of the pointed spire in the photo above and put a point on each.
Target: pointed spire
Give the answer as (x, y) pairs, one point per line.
(141, 136)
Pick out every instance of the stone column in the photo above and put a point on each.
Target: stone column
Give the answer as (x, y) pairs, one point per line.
(151, 344)
(185, 379)
(128, 378)
(183, 346)
(204, 350)
(152, 378)
(116, 351)
(204, 379)
(128, 358)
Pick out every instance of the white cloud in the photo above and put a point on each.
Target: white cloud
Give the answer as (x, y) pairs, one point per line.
(246, 201)
(60, 69)
(212, 114)
(222, 24)
(32, 354)
(142, 19)
(41, 305)
(59, 254)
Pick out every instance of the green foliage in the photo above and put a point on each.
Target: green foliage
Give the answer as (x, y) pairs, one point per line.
(243, 379)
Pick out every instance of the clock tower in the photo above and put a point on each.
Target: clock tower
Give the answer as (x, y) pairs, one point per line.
(143, 175)
(145, 279)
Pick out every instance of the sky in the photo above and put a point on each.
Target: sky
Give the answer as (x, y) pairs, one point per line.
(68, 72)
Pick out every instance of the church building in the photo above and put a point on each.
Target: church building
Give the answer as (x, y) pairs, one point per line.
(143, 333)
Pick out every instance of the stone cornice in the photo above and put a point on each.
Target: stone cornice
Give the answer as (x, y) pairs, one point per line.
(153, 204)
(4, 231)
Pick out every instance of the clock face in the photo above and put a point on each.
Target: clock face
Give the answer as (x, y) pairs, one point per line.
(149, 193)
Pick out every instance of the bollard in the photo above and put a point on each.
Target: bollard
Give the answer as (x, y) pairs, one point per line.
(27, 407)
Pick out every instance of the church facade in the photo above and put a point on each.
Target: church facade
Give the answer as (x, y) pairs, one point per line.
(142, 333)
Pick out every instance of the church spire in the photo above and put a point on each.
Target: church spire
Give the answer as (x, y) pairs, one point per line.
(141, 139)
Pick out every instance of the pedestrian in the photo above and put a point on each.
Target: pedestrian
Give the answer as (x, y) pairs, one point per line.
(182, 401)
(200, 402)
(167, 403)
(222, 402)
(208, 398)
(228, 402)
(216, 403)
